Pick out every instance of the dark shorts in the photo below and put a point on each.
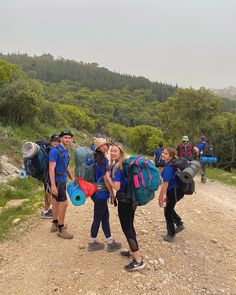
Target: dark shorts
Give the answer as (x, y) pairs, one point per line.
(61, 187)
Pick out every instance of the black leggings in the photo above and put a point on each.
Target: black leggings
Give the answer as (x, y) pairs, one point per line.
(172, 218)
(126, 215)
(101, 215)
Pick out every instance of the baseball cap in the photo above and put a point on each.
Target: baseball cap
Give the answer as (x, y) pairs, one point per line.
(65, 132)
(55, 137)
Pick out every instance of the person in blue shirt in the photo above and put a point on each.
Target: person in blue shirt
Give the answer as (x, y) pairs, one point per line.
(58, 170)
(201, 147)
(171, 194)
(100, 199)
(117, 178)
(157, 157)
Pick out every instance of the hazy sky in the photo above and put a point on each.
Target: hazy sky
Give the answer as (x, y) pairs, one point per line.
(188, 42)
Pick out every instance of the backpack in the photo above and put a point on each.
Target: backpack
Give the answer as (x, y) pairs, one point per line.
(84, 163)
(207, 150)
(186, 170)
(143, 179)
(37, 166)
(158, 157)
(185, 150)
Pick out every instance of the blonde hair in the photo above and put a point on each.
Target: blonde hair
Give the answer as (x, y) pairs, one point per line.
(119, 163)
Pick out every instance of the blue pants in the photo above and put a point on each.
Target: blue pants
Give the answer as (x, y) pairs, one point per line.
(101, 215)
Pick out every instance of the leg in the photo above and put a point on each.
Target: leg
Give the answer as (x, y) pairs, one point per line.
(169, 212)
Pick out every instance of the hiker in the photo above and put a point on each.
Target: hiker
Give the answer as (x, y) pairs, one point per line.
(117, 178)
(58, 170)
(47, 212)
(205, 150)
(100, 200)
(186, 149)
(158, 157)
(170, 192)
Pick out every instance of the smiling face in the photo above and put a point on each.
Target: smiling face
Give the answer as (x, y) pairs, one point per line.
(116, 153)
(103, 148)
(66, 140)
(166, 156)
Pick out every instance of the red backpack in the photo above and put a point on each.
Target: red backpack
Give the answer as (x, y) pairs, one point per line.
(185, 150)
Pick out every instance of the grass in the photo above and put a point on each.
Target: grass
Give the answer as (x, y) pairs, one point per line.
(221, 176)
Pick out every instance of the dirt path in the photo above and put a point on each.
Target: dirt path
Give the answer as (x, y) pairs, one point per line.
(202, 260)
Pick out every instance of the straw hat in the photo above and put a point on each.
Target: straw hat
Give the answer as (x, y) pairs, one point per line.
(99, 142)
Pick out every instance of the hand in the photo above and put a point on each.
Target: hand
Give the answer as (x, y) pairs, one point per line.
(54, 190)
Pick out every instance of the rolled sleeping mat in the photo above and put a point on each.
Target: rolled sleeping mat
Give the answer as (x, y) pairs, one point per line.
(188, 173)
(208, 160)
(77, 196)
(22, 174)
(30, 149)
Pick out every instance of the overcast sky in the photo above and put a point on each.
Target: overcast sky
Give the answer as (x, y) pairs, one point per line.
(188, 42)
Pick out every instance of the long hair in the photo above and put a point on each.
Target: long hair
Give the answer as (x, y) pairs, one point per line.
(100, 158)
(119, 163)
(171, 152)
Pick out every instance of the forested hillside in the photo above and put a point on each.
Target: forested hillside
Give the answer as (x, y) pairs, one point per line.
(90, 99)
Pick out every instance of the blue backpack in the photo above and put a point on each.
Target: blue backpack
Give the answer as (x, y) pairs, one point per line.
(143, 179)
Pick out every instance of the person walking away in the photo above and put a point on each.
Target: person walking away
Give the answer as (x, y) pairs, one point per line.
(203, 146)
(58, 170)
(100, 200)
(186, 149)
(158, 158)
(171, 193)
(117, 178)
(47, 212)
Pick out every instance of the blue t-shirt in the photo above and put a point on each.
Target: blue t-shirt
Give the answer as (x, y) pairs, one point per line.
(168, 175)
(62, 162)
(201, 147)
(99, 179)
(120, 176)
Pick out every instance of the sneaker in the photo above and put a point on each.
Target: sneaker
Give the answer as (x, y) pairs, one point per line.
(168, 238)
(134, 265)
(114, 246)
(64, 234)
(46, 215)
(126, 254)
(95, 246)
(179, 228)
(54, 228)
(50, 212)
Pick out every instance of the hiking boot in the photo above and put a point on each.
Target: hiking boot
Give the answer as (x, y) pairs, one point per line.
(54, 228)
(134, 265)
(168, 238)
(47, 215)
(203, 179)
(64, 234)
(126, 254)
(94, 246)
(179, 228)
(113, 246)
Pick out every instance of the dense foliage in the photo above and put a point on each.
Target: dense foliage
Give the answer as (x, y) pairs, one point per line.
(135, 115)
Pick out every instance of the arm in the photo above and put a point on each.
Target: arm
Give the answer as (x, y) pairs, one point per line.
(196, 150)
(162, 193)
(52, 166)
(115, 185)
(70, 174)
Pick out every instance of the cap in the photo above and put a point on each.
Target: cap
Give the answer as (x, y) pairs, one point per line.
(65, 132)
(55, 137)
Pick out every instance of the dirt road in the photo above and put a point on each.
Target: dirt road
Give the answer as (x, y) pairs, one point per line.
(202, 259)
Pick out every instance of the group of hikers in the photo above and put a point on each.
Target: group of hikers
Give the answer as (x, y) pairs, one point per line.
(113, 177)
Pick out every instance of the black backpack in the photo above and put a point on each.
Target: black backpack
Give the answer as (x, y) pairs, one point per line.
(207, 150)
(181, 164)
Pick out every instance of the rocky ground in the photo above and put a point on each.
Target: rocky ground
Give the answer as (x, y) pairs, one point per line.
(201, 260)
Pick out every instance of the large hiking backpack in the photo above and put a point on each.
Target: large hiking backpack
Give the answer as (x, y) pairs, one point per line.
(84, 163)
(207, 150)
(186, 171)
(158, 157)
(37, 165)
(143, 179)
(185, 150)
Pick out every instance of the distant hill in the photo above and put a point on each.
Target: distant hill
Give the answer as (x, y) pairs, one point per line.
(229, 92)
(90, 75)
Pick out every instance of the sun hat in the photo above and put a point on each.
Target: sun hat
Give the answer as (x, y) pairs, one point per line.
(99, 142)
(185, 138)
(65, 132)
(203, 138)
